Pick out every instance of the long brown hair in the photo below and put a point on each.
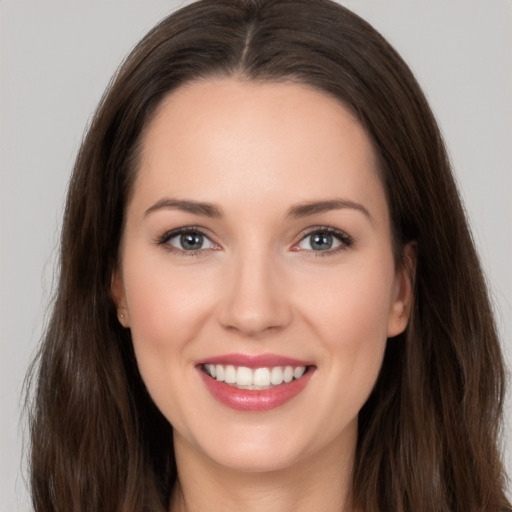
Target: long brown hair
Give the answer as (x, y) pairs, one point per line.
(428, 435)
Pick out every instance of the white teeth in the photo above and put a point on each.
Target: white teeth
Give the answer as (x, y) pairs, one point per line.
(299, 372)
(244, 376)
(261, 377)
(230, 375)
(258, 378)
(276, 376)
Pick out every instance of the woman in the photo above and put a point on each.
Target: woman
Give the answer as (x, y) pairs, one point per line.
(269, 296)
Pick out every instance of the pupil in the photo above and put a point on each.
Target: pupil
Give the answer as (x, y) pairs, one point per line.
(321, 241)
(191, 241)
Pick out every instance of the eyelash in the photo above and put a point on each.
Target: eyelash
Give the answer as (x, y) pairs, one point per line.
(168, 235)
(346, 241)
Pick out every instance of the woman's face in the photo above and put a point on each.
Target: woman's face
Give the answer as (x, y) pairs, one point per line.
(257, 249)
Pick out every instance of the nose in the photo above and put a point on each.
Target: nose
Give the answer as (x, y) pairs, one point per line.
(255, 299)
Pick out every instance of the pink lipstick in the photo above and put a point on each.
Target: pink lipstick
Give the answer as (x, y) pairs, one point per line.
(254, 383)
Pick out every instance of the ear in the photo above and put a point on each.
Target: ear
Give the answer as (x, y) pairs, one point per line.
(403, 292)
(119, 297)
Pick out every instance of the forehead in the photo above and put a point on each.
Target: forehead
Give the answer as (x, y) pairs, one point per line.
(228, 138)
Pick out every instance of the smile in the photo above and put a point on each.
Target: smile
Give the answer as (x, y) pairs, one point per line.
(254, 383)
(242, 377)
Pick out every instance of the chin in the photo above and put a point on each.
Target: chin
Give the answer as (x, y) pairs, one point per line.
(261, 460)
(256, 449)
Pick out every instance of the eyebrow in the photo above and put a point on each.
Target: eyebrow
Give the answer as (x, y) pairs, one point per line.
(316, 207)
(297, 211)
(195, 207)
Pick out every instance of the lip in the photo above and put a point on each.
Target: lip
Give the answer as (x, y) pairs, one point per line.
(254, 361)
(248, 400)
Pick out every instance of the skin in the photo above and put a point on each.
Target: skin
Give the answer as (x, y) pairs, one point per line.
(256, 151)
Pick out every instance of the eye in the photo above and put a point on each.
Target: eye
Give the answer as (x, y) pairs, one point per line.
(324, 240)
(187, 240)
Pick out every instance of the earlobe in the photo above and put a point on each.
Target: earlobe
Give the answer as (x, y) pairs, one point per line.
(401, 307)
(119, 298)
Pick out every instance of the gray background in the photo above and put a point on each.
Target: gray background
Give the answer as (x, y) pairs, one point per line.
(56, 57)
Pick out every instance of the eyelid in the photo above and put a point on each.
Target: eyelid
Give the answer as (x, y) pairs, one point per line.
(346, 241)
(162, 240)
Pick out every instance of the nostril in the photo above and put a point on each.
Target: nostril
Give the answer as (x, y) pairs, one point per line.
(253, 320)
(254, 301)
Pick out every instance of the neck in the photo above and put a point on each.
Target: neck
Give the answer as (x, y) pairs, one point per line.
(318, 482)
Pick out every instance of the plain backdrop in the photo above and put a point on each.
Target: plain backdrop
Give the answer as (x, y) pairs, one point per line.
(56, 58)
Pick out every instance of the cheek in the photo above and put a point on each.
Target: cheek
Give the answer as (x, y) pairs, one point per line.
(351, 300)
(350, 315)
(167, 307)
